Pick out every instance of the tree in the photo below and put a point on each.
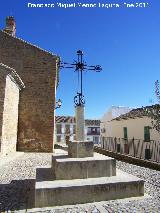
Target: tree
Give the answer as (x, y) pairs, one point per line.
(157, 91)
(154, 111)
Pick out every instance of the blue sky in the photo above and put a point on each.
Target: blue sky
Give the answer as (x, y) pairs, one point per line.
(124, 41)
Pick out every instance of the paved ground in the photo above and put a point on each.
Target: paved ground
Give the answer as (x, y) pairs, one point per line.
(23, 167)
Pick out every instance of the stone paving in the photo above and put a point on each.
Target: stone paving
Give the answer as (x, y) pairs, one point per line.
(23, 167)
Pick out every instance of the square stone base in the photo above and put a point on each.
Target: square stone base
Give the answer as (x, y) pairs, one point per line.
(71, 192)
(80, 149)
(65, 168)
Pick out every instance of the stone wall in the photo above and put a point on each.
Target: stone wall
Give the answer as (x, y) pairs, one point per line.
(2, 95)
(9, 100)
(10, 117)
(38, 71)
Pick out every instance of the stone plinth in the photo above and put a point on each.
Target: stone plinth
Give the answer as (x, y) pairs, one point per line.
(79, 168)
(70, 192)
(79, 149)
(80, 123)
(85, 180)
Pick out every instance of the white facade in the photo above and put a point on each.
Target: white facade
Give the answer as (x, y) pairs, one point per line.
(94, 137)
(113, 126)
(131, 133)
(65, 126)
(63, 133)
(113, 112)
(135, 128)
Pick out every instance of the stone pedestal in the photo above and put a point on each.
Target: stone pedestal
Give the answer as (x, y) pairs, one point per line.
(65, 168)
(72, 192)
(80, 123)
(85, 180)
(80, 149)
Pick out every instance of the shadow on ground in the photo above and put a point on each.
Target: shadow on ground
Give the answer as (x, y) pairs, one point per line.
(17, 195)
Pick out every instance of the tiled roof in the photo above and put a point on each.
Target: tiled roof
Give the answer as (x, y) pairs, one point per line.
(138, 112)
(65, 119)
(89, 122)
(71, 119)
(25, 42)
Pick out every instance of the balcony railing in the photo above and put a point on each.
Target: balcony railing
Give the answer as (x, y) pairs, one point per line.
(133, 147)
(93, 133)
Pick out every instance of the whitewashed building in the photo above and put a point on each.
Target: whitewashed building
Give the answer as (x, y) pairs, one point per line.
(131, 133)
(133, 123)
(65, 126)
(109, 115)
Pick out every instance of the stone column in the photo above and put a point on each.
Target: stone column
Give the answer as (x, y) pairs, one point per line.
(80, 123)
(80, 148)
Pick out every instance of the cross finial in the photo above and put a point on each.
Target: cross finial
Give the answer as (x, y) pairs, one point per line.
(80, 66)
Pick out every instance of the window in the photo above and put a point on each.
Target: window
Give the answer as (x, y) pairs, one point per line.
(59, 128)
(67, 129)
(74, 129)
(98, 130)
(96, 140)
(146, 133)
(125, 136)
(93, 131)
(58, 138)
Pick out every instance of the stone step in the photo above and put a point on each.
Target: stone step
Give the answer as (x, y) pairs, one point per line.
(70, 192)
(99, 165)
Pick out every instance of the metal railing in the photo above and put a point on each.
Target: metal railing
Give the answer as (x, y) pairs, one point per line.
(133, 147)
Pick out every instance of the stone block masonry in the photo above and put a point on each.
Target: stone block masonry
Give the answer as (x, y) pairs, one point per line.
(80, 149)
(80, 168)
(10, 117)
(85, 180)
(79, 111)
(9, 100)
(38, 70)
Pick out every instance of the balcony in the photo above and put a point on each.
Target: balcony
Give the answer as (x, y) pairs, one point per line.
(93, 131)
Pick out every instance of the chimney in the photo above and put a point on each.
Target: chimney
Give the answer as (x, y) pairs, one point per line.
(10, 26)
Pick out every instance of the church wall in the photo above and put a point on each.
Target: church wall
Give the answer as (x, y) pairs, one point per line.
(2, 95)
(37, 70)
(10, 117)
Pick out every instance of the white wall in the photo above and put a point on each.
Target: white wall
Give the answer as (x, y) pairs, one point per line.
(113, 112)
(10, 117)
(135, 128)
(87, 137)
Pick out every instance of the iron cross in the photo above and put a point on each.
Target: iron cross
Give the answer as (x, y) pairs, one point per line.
(80, 66)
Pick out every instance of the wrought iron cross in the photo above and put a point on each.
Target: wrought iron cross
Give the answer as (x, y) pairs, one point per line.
(80, 66)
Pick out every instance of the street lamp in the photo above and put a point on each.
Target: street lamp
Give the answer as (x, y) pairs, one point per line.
(58, 104)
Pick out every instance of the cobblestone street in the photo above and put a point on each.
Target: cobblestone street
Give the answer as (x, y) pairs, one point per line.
(23, 167)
